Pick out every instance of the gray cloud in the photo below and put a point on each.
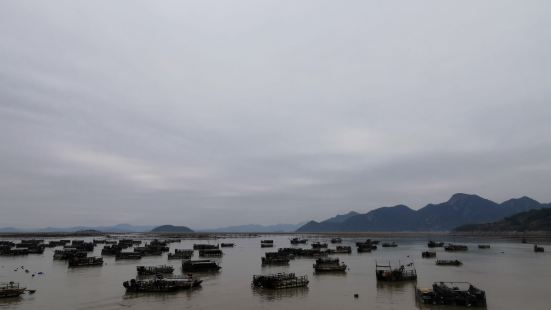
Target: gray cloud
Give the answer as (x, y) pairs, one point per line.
(208, 114)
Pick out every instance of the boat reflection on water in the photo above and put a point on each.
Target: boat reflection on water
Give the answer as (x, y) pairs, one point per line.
(391, 293)
(420, 305)
(164, 296)
(277, 294)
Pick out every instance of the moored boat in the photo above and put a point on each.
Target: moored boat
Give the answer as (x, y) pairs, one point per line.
(453, 294)
(85, 261)
(275, 258)
(11, 289)
(448, 262)
(434, 244)
(128, 255)
(181, 254)
(538, 248)
(279, 281)
(428, 254)
(298, 241)
(151, 270)
(389, 274)
(200, 265)
(329, 264)
(210, 253)
(456, 247)
(342, 250)
(160, 285)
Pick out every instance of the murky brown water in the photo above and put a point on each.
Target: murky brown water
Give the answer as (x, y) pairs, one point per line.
(518, 278)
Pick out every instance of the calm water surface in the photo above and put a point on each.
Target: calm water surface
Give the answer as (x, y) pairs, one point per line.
(513, 276)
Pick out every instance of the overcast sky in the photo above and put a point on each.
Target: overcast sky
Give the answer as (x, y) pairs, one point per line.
(212, 113)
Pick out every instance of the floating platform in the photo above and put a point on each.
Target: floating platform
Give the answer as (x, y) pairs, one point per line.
(280, 281)
(453, 294)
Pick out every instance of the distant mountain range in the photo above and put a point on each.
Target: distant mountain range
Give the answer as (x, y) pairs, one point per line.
(459, 210)
(255, 228)
(119, 228)
(533, 220)
(171, 229)
(126, 228)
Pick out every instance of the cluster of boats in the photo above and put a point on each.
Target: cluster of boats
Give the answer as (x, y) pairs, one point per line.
(159, 278)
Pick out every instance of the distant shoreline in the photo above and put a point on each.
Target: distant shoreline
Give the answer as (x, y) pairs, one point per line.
(540, 235)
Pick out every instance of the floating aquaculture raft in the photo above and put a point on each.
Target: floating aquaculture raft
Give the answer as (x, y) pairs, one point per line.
(150, 270)
(453, 294)
(279, 281)
(329, 264)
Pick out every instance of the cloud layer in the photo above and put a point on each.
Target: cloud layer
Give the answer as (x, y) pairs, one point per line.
(213, 114)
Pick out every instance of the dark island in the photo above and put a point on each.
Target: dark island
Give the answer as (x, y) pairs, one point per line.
(171, 229)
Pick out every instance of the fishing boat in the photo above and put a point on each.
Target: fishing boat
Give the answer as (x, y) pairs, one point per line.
(433, 244)
(205, 246)
(389, 274)
(329, 264)
(298, 241)
(210, 253)
(160, 285)
(319, 245)
(275, 258)
(267, 243)
(336, 240)
(455, 247)
(85, 261)
(483, 246)
(111, 249)
(151, 270)
(279, 281)
(11, 289)
(200, 265)
(453, 294)
(128, 255)
(538, 248)
(389, 245)
(428, 254)
(365, 247)
(181, 254)
(445, 262)
(342, 250)
(227, 245)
